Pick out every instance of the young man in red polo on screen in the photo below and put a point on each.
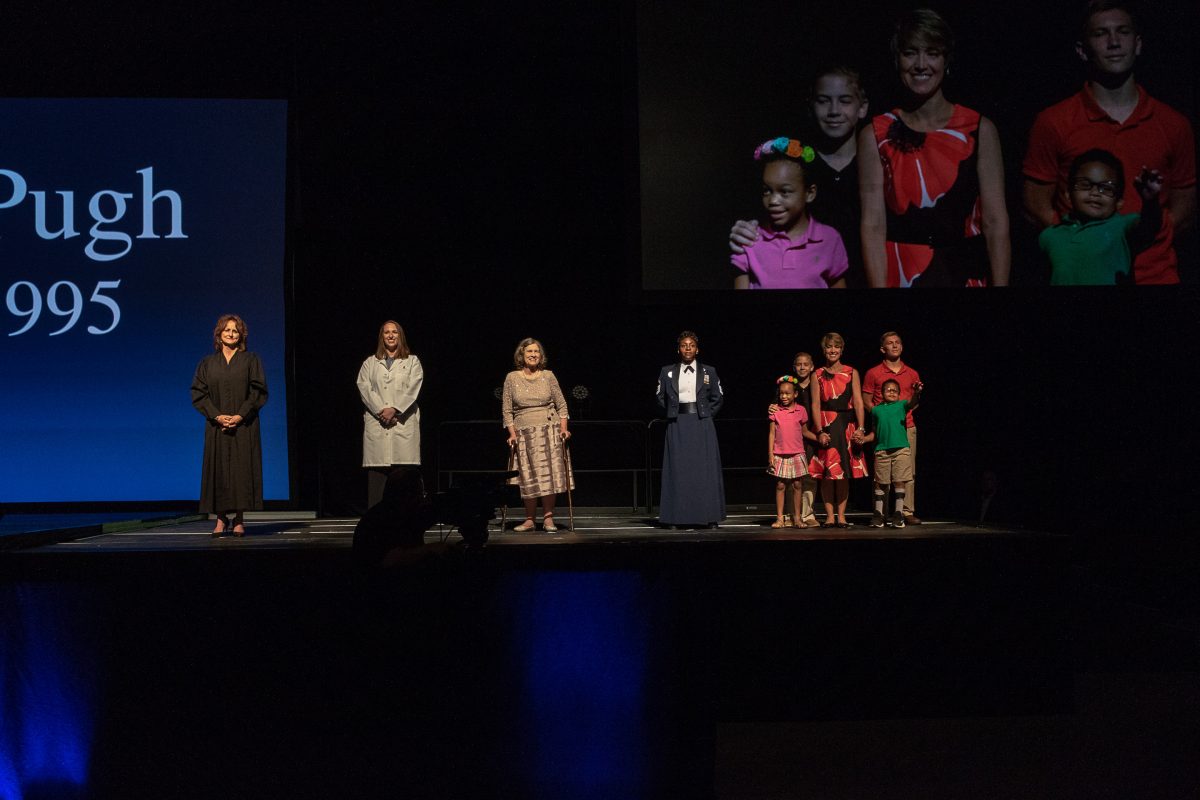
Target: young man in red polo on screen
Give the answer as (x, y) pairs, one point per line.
(893, 369)
(1113, 113)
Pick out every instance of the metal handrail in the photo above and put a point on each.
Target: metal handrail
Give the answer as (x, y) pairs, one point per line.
(642, 475)
(447, 467)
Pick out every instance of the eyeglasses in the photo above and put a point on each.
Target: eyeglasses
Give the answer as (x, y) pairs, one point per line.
(1106, 188)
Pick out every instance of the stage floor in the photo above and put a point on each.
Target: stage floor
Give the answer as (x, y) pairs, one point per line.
(592, 526)
(743, 662)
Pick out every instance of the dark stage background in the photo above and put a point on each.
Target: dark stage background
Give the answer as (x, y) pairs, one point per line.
(472, 172)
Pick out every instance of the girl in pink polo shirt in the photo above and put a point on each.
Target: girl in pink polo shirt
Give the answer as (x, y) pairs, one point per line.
(785, 446)
(794, 251)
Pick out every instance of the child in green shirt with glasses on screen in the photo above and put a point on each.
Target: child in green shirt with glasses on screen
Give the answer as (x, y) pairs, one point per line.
(1094, 245)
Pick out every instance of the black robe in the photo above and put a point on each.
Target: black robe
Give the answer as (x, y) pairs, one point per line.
(231, 475)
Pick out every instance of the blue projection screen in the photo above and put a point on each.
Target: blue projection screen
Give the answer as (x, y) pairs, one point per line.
(126, 228)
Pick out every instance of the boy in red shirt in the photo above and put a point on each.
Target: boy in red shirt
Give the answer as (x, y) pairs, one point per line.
(893, 369)
(1113, 113)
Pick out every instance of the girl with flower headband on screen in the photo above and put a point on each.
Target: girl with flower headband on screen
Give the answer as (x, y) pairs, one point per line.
(794, 251)
(785, 450)
(837, 105)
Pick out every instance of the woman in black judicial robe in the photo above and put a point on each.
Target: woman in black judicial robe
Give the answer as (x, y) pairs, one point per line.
(229, 389)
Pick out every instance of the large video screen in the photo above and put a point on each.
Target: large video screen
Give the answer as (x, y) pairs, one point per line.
(718, 82)
(127, 226)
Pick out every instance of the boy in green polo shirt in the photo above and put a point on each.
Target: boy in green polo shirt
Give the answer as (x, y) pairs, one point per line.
(893, 459)
(1094, 245)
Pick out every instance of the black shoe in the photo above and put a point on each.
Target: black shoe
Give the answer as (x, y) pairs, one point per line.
(897, 520)
(877, 520)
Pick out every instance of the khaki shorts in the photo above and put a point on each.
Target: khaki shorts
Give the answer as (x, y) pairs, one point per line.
(893, 466)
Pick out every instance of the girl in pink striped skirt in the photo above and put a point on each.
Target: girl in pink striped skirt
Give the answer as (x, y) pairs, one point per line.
(785, 450)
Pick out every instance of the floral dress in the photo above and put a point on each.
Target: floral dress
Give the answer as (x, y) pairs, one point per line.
(931, 192)
(842, 459)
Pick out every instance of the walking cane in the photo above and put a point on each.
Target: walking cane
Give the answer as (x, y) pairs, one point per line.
(570, 476)
(512, 451)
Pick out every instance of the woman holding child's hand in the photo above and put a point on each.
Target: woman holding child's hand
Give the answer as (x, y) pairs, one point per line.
(839, 406)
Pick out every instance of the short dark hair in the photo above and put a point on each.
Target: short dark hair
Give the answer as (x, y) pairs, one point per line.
(926, 26)
(1094, 7)
(785, 148)
(1098, 156)
(889, 380)
(799, 162)
(686, 335)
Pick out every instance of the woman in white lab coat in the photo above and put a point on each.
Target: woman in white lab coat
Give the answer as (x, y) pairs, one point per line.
(388, 383)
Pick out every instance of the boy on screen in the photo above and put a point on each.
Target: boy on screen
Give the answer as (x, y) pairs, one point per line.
(1094, 245)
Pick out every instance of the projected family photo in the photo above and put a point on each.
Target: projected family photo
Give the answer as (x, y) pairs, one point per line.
(909, 148)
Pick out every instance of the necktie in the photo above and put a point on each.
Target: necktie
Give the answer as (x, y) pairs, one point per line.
(688, 368)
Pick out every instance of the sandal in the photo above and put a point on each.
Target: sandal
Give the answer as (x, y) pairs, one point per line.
(548, 524)
(220, 528)
(239, 529)
(780, 523)
(525, 526)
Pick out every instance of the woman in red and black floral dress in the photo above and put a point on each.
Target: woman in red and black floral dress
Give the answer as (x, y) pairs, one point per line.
(840, 411)
(933, 211)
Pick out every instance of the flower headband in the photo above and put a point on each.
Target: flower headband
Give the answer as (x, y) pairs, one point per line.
(787, 379)
(786, 147)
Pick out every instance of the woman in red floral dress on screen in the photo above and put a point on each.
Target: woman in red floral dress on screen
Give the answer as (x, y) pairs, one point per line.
(838, 405)
(933, 211)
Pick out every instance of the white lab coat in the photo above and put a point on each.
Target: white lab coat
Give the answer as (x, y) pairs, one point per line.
(396, 388)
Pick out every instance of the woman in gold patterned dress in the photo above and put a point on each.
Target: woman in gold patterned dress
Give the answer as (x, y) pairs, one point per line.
(535, 414)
